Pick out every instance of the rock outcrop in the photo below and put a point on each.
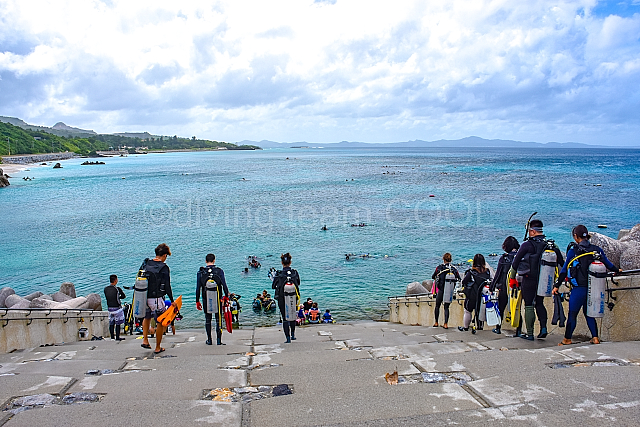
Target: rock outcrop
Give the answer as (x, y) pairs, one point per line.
(4, 180)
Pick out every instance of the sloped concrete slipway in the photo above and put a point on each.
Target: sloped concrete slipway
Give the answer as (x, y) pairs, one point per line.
(331, 375)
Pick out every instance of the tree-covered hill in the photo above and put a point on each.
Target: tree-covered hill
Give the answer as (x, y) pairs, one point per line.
(15, 140)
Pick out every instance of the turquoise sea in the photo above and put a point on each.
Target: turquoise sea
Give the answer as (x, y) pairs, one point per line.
(82, 223)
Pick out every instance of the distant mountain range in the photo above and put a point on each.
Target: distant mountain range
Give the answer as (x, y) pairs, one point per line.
(62, 129)
(468, 142)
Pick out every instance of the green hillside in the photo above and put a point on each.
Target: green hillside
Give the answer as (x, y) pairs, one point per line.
(15, 140)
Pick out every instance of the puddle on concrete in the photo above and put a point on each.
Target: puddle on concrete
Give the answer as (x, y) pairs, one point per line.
(246, 394)
(583, 363)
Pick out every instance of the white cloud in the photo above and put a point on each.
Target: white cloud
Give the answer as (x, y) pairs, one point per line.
(323, 70)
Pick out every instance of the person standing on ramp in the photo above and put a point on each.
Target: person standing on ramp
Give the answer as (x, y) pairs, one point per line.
(287, 289)
(211, 285)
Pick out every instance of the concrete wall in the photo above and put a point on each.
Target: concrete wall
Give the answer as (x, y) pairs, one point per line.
(622, 323)
(60, 327)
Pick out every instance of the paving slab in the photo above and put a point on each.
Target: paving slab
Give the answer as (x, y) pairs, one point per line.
(381, 401)
(332, 377)
(137, 412)
(184, 385)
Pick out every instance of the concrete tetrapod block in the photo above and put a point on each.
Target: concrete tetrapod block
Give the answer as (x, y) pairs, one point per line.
(69, 289)
(4, 293)
(630, 259)
(44, 303)
(14, 299)
(60, 297)
(33, 295)
(93, 302)
(74, 303)
(633, 235)
(415, 288)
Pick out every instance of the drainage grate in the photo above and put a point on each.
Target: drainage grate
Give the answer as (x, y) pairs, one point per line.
(246, 394)
(583, 363)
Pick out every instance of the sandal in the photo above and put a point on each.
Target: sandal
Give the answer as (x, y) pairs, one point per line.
(159, 351)
(564, 343)
(435, 325)
(594, 340)
(445, 326)
(148, 346)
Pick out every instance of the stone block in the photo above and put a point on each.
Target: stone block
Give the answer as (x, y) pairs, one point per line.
(47, 297)
(69, 289)
(623, 233)
(415, 288)
(60, 297)
(33, 296)
(428, 284)
(4, 293)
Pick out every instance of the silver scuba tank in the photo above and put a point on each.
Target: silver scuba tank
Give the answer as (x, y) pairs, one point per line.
(140, 295)
(548, 265)
(290, 301)
(597, 288)
(485, 295)
(213, 299)
(449, 286)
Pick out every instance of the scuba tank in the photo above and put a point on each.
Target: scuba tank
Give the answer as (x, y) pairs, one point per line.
(548, 266)
(213, 299)
(597, 287)
(449, 286)
(140, 295)
(484, 295)
(290, 300)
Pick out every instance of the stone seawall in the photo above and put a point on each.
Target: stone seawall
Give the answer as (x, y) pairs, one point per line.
(37, 158)
(21, 329)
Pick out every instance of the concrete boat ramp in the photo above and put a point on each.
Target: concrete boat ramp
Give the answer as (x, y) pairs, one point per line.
(331, 375)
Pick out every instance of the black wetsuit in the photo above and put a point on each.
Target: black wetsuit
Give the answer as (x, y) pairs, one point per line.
(201, 290)
(440, 276)
(500, 280)
(279, 281)
(113, 295)
(473, 282)
(530, 253)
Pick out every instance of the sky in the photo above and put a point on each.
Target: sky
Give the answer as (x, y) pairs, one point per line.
(327, 70)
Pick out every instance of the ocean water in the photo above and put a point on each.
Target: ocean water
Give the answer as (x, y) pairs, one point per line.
(83, 223)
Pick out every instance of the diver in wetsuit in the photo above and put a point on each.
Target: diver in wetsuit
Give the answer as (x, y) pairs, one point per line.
(280, 279)
(526, 263)
(440, 276)
(210, 271)
(510, 247)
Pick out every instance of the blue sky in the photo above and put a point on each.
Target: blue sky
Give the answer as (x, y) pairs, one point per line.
(327, 70)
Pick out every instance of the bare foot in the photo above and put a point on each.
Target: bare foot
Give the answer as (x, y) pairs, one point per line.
(435, 325)
(565, 341)
(445, 326)
(595, 340)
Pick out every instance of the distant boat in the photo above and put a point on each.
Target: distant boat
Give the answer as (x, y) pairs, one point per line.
(602, 226)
